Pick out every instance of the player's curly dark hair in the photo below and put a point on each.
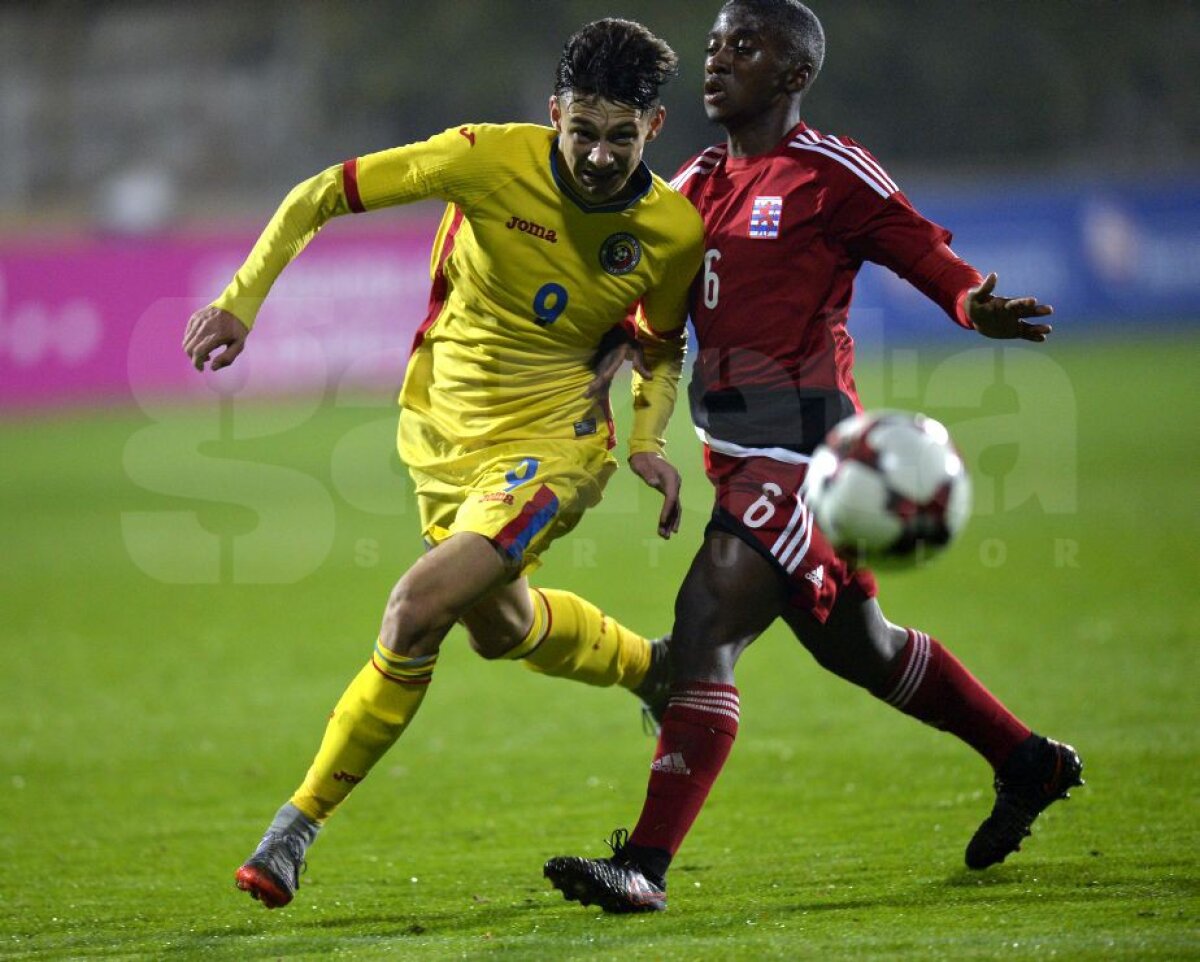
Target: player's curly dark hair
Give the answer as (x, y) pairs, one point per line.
(619, 60)
(794, 25)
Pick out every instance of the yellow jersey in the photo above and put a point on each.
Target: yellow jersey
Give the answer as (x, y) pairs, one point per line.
(526, 280)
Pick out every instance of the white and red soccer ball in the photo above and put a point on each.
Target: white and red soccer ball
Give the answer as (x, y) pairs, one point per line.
(888, 488)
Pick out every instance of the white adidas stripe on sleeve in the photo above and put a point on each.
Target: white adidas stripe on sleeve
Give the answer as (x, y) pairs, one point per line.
(854, 159)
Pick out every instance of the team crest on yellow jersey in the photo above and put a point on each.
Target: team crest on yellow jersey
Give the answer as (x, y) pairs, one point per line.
(620, 253)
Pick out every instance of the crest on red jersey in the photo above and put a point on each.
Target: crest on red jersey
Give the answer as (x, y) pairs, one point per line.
(765, 217)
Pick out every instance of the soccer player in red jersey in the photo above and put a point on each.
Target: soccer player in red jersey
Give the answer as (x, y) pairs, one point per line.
(790, 215)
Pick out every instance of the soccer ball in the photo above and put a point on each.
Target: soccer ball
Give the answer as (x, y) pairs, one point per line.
(888, 488)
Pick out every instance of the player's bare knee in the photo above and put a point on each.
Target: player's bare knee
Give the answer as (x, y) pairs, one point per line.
(881, 654)
(413, 622)
(865, 655)
(885, 639)
(709, 655)
(890, 642)
(500, 622)
(493, 645)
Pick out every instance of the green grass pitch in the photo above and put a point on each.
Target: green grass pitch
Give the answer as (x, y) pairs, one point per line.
(160, 696)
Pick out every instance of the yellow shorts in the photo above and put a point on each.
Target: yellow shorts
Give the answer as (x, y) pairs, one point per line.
(520, 494)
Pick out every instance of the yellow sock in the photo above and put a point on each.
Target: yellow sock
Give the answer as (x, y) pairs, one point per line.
(365, 723)
(572, 638)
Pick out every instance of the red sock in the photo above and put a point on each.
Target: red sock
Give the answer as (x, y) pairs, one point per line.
(932, 685)
(698, 730)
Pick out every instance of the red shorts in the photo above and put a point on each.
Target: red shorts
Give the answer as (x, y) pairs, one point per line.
(758, 500)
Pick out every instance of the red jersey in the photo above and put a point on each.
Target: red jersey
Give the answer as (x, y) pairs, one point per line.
(785, 235)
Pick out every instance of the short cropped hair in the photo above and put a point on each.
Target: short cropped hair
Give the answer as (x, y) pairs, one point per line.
(619, 60)
(794, 24)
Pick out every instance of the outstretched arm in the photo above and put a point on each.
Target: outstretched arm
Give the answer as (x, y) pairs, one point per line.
(1004, 317)
(445, 166)
(890, 232)
(299, 217)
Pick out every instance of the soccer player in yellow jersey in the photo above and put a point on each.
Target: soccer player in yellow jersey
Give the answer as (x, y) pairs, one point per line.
(550, 235)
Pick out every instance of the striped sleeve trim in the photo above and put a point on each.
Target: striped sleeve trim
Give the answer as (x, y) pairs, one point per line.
(350, 185)
(852, 157)
(702, 165)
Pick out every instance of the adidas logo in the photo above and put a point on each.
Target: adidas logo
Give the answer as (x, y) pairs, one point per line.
(672, 764)
(816, 576)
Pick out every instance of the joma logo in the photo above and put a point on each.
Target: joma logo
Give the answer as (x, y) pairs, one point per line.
(529, 227)
(347, 777)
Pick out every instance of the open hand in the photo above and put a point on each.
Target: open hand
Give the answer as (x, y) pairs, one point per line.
(1004, 317)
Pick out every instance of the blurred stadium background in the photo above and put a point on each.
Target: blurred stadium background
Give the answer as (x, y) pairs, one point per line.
(188, 576)
(143, 144)
(212, 109)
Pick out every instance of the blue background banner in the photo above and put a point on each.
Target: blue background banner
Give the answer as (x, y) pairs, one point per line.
(1103, 255)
